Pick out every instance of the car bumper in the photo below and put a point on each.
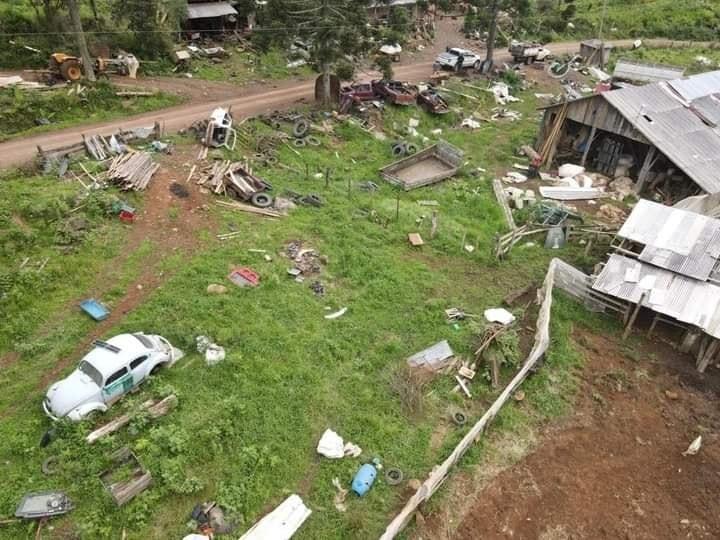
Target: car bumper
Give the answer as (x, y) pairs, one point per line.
(46, 408)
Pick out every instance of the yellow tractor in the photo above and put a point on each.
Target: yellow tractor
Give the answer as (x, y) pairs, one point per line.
(65, 67)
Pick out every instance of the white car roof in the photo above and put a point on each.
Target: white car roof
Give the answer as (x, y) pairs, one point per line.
(462, 51)
(108, 362)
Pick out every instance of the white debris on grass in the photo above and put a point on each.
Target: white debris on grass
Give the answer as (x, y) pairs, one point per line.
(331, 445)
(470, 123)
(499, 315)
(281, 523)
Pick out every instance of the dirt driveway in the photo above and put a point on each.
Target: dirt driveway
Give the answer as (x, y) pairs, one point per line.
(615, 468)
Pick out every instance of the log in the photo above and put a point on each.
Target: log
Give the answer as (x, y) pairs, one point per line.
(440, 473)
(155, 409)
(249, 209)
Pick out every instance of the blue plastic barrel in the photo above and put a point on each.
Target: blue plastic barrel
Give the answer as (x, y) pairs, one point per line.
(364, 479)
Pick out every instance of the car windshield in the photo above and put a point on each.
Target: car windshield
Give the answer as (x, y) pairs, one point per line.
(144, 340)
(88, 369)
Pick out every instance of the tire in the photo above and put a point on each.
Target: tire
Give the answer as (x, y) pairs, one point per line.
(312, 140)
(71, 70)
(301, 128)
(477, 65)
(50, 465)
(261, 200)
(398, 150)
(299, 143)
(157, 368)
(459, 418)
(393, 476)
(410, 149)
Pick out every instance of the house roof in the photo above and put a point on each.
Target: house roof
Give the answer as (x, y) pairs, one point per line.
(678, 240)
(683, 298)
(209, 10)
(632, 70)
(393, 3)
(675, 116)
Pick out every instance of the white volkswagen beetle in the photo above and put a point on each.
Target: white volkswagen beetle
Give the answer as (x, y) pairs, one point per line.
(107, 373)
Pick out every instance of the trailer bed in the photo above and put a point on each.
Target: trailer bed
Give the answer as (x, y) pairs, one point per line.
(432, 165)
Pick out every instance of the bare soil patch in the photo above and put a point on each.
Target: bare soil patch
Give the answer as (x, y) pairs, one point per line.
(614, 469)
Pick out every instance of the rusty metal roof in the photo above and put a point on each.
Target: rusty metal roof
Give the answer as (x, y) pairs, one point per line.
(678, 240)
(682, 298)
(632, 70)
(210, 10)
(663, 112)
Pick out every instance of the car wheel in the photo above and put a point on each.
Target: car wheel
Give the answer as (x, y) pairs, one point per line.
(477, 65)
(157, 368)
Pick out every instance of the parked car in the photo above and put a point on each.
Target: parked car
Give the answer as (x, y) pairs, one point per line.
(356, 94)
(528, 52)
(396, 92)
(108, 372)
(433, 102)
(457, 59)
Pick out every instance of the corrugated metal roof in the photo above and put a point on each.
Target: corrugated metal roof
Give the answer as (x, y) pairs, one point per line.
(632, 70)
(662, 113)
(682, 298)
(677, 240)
(210, 10)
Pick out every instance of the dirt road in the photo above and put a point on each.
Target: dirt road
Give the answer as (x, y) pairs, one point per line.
(246, 101)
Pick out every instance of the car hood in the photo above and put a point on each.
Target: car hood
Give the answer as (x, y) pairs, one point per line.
(64, 396)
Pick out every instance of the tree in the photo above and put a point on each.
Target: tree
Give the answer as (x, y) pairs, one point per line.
(516, 9)
(151, 23)
(87, 60)
(332, 29)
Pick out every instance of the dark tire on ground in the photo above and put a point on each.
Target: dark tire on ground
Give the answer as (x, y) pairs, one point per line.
(299, 143)
(50, 465)
(261, 200)
(301, 128)
(157, 368)
(411, 149)
(312, 140)
(71, 70)
(393, 476)
(398, 149)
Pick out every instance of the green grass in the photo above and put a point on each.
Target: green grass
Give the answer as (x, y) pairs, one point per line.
(686, 57)
(20, 109)
(240, 67)
(245, 431)
(674, 19)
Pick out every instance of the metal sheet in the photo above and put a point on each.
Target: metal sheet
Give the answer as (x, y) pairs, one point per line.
(210, 10)
(632, 70)
(662, 113)
(675, 239)
(684, 299)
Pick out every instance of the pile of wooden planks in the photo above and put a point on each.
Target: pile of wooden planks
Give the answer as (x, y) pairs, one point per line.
(232, 178)
(132, 171)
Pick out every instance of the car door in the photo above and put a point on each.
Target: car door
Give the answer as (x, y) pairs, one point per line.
(117, 385)
(139, 368)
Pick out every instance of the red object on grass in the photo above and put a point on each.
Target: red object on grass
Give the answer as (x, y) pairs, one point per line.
(244, 277)
(126, 217)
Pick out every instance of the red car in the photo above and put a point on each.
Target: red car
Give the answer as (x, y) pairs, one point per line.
(396, 92)
(356, 94)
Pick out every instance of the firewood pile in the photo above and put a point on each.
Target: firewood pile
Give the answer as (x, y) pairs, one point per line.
(132, 171)
(232, 178)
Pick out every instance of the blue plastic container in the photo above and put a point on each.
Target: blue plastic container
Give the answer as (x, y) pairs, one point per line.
(364, 479)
